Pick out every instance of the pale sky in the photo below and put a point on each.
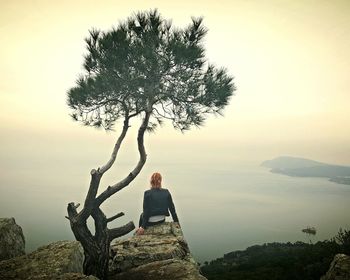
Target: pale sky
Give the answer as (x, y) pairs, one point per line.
(290, 60)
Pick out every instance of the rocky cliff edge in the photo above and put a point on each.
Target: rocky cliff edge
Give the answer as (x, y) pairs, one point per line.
(61, 260)
(161, 253)
(11, 239)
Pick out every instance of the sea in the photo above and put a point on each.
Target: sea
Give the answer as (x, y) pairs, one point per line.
(221, 207)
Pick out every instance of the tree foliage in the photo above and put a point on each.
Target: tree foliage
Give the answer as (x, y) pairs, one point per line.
(145, 64)
(343, 239)
(290, 261)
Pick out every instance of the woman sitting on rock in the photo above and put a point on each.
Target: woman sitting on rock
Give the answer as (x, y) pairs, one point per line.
(156, 205)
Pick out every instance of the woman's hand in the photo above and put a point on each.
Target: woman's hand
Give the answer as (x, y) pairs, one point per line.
(177, 225)
(140, 231)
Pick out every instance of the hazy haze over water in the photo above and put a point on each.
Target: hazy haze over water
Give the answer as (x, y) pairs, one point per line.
(221, 208)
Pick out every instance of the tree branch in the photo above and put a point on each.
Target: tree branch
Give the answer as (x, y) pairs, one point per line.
(120, 231)
(91, 195)
(77, 205)
(72, 210)
(126, 181)
(161, 115)
(79, 227)
(115, 217)
(117, 145)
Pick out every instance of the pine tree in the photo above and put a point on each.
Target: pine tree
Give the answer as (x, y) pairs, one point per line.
(143, 68)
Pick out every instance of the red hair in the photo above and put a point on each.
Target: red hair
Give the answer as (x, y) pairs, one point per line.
(156, 180)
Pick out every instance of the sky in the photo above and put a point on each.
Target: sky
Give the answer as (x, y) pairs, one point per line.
(291, 64)
(289, 58)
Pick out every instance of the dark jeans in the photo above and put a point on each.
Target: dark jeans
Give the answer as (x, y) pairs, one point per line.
(148, 224)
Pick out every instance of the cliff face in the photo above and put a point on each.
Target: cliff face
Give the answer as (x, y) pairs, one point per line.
(60, 260)
(11, 239)
(161, 253)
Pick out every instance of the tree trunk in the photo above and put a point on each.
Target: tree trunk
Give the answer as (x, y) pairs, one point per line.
(97, 265)
(96, 247)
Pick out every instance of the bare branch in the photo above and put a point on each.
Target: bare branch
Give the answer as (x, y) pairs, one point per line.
(115, 217)
(127, 180)
(162, 115)
(120, 231)
(116, 148)
(79, 226)
(72, 210)
(134, 115)
(91, 195)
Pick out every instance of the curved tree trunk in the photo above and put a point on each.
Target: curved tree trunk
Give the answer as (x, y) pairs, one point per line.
(96, 247)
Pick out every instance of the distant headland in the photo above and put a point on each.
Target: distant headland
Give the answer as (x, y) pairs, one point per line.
(301, 167)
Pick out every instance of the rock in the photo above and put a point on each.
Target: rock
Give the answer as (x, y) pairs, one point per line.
(160, 270)
(161, 253)
(76, 276)
(339, 269)
(11, 239)
(47, 262)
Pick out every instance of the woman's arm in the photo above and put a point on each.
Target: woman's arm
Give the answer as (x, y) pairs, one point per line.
(146, 210)
(172, 208)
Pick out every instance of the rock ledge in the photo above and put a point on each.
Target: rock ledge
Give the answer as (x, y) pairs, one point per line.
(59, 260)
(161, 253)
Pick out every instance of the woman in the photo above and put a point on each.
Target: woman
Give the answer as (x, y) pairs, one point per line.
(156, 205)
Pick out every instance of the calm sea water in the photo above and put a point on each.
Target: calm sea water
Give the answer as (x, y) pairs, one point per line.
(221, 209)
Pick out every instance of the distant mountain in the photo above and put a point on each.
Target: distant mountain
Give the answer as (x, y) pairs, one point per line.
(341, 180)
(300, 167)
(291, 162)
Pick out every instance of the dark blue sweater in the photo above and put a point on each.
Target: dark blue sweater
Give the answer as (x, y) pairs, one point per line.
(157, 202)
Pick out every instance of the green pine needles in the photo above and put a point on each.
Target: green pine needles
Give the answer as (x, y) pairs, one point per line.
(147, 65)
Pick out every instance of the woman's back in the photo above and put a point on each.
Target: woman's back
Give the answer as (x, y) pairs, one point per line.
(157, 202)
